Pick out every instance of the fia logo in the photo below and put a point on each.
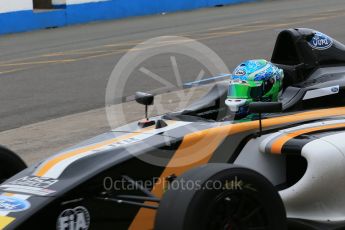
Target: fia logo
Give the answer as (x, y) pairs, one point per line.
(74, 219)
(320, 41)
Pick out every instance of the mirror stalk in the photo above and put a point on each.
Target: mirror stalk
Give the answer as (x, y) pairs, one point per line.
(146, 112)
(260, 125)
(264, 107)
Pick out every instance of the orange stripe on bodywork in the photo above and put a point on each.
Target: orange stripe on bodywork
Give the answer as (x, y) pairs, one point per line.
(54, 161)
(278, 144)
(203, 144)
(8, 194)
(199, 146)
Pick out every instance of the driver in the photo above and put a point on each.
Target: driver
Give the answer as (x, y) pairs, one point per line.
(253, 80)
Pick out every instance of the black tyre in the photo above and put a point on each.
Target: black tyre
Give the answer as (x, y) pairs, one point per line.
(221, 196)
(10, 164)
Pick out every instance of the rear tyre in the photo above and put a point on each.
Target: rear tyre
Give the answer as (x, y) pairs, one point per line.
(221, 196)
(10, 164)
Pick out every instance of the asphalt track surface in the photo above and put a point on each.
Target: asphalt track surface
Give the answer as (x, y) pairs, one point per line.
(52, 73)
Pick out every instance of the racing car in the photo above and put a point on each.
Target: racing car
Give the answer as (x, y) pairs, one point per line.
(283, 170)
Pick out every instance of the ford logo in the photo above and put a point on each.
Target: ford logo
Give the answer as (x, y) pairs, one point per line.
(320, 41)
(335, 89)
(13, 204)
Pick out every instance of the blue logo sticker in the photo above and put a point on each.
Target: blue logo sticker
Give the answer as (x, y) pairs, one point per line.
(321, 41)
(13, 204)
(335, 89)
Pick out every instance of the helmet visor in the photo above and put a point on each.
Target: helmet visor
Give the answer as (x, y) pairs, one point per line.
(244, 91)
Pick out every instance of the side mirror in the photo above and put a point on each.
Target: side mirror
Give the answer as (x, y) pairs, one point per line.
(144, 98)
(265, 107)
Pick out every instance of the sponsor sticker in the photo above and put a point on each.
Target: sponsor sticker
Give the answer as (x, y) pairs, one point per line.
(31, 185)
(5, 221)
(117, 144)
(321, 41)
(322, 92)
(34, 181)
(335, 89)
(74, 219)
(240, 72)
(13, 204)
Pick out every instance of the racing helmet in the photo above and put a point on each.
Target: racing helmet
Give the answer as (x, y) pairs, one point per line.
(253, 80)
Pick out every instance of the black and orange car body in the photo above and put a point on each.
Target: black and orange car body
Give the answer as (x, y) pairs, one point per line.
(99, 184)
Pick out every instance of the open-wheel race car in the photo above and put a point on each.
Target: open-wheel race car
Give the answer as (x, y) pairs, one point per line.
(285, 169)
